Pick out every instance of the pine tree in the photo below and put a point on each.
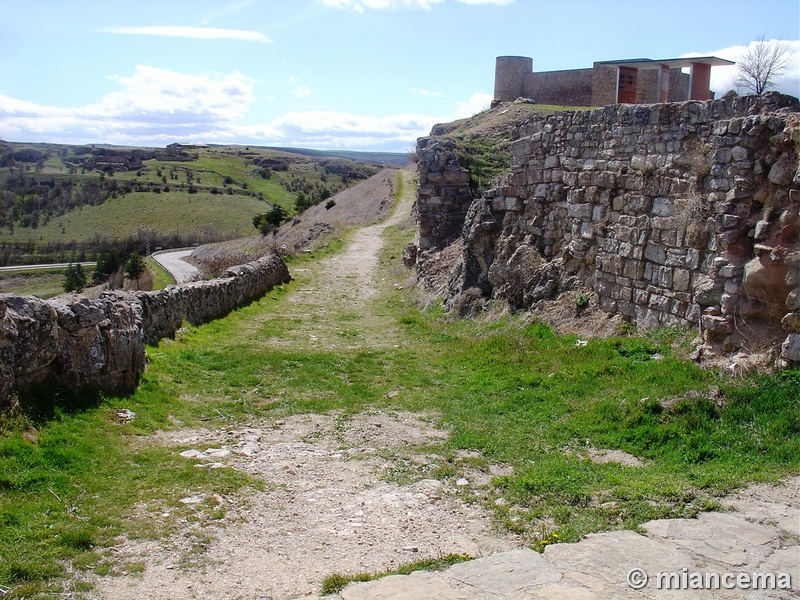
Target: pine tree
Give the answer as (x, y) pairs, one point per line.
(74, 278)
(134, 267)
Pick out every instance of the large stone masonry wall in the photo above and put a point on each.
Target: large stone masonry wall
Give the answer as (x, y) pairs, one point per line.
(561, 88)
(675, 214)
(71, 342)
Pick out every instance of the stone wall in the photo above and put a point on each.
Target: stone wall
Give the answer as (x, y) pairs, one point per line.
(72, 342)
(560, 88)
(681, 214)
(443, 193)
(514, 78)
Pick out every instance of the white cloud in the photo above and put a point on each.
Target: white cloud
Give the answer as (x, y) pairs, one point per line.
(360, 5)
(200, 33)
(302, 92)
(422, 92)
(154, 91)
(476, 103)
(722, 78)
(154, 107)
(153, 104)
(327, 129)
(495, 2)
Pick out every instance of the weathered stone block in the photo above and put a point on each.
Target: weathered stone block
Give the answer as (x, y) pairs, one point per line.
(717, 324)
(791, 322)
(580, 211)
(36, 327)
(681, 279)
(790, 349)
(663, 207)
(655, 253)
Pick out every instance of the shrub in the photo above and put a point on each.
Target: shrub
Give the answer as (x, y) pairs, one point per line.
(74, 278)
(581, 299)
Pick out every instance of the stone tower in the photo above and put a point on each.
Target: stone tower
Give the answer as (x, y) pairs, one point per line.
(510, 73)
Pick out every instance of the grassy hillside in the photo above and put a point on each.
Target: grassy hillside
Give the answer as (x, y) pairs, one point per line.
(207, 216)
(62, 201)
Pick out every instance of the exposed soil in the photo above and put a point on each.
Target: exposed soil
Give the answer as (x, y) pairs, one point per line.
(363, 204)
(342, 493)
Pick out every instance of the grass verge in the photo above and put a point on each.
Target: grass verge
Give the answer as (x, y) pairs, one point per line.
(43, 283)
(336, 582)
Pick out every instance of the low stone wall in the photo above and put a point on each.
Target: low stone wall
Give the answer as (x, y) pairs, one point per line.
(675, 214)
(72, 342)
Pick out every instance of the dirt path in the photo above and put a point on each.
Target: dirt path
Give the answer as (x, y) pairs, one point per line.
(338, 497)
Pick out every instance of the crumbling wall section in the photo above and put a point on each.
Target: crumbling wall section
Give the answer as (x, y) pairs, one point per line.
(443, 193)
(675, 214)
(72, 342)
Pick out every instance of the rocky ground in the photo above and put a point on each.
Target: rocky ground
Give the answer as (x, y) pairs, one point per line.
(350, 493)
(343, 494)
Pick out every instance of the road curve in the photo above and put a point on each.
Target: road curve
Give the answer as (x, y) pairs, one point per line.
(173, 263)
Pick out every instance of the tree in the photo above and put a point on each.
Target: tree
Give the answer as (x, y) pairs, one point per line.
(762, 65)
(134, 267)
(74, 278)
(268, 221)
(108, 261)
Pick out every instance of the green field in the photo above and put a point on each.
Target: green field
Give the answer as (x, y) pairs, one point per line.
(208, 215)
(60, 194)
(43, 283)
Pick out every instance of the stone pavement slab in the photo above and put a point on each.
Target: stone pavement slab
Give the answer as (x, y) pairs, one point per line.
(505, 573)
(419, 584)
(760, 534)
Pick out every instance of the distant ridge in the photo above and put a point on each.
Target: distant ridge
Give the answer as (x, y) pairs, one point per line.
(399, 159)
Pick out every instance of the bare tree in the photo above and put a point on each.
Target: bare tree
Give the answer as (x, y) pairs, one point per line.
(762, 65)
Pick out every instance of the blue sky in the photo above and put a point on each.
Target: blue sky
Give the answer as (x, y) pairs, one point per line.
(348, 74)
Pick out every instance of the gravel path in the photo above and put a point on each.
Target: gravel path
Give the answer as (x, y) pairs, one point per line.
(336, 500)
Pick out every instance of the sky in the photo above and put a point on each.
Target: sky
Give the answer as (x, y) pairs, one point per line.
(328, 74)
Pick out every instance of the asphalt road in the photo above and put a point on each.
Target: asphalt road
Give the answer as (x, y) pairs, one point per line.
(172, 261)
(47, 266)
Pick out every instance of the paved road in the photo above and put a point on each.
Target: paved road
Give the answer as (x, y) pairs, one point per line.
(45, 266)
(172, 261)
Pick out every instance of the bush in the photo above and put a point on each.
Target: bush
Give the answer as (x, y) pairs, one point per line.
(134, 266)
(270, 220)
(74, 278)
(581, 300)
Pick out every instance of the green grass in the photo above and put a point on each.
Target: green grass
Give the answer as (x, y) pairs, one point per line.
(46, 283)
(43, 283)
(161, 278)
(231, 172)
(73, 479)
(335, 583)
(165, 213)
(65, 495)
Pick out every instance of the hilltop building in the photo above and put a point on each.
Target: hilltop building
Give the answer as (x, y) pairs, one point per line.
(632, 81)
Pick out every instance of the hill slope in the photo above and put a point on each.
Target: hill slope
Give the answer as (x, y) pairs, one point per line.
(363, 204)
(57, 196)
